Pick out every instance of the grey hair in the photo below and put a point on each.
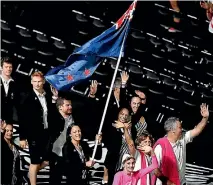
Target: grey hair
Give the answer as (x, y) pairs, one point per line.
(170, 124)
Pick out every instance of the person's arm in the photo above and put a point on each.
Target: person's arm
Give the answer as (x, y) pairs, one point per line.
(54, 94)
(88, 151)
(66, 152)
(151, 167)
(117, 179)
(174, 5)
(199, 128)
(123, 94)
(130, 142)
(98, 154)
(93, 89)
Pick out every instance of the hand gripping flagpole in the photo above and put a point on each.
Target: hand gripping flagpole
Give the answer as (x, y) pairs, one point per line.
(110, 91)
(109, 94)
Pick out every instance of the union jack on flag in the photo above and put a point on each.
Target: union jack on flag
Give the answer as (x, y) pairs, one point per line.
(83, 62)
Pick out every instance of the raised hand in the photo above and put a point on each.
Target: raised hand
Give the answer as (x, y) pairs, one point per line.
(146, 149)
(118, 124)
(54, 91)
(128, 125)
(124, 77)
(204, 5)
(2, 126)
(204, 110)
(93, 88)
(141, 95)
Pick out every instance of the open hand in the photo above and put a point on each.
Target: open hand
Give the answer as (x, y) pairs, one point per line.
(204, 110)
(118, 124)
(93, 87)
(128, 125)
(54, 91)
(124, 77)
(2, 126)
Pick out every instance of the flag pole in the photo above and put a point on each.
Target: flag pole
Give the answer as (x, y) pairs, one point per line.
(109, 95)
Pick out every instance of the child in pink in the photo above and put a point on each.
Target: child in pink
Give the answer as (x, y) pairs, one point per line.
(127, 176)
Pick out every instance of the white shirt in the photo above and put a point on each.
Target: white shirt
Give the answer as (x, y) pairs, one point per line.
(179, 149)
(43, 102)
(138, 166)
(6, 84)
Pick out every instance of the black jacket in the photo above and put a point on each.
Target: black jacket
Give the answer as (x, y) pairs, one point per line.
(10, 101)
(73, 163)
(31, 115)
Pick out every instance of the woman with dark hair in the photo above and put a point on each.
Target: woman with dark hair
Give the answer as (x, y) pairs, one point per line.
(116, 144)
(10, 161)
(76, 153)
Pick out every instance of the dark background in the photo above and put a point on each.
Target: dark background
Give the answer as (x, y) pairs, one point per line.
(148, 34)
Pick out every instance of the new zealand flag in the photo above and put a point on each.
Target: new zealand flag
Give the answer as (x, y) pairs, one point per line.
(82, 63)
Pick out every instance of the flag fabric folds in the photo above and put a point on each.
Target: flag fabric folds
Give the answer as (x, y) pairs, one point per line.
(83, 62)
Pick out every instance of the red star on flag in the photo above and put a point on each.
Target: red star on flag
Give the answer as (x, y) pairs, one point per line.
(87, 72)
(69, 77)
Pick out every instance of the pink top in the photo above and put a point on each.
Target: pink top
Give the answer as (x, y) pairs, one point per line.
(121, 178)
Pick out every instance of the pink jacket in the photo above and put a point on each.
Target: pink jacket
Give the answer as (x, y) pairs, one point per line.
(121, 178)
(169, 166)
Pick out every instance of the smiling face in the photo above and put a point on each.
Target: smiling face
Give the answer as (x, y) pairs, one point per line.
(8, 132)
(129, 165)
(76, 133)
(123, 115)
(135, 104)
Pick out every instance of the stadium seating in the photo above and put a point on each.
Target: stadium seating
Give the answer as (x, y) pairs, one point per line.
(174, 69)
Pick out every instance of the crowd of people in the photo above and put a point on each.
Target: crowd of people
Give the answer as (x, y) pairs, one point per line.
(48, 127)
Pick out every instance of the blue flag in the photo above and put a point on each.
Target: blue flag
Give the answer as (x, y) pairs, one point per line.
(83, 62)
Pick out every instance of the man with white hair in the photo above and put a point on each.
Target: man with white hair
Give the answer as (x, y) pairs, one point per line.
(171, 150)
